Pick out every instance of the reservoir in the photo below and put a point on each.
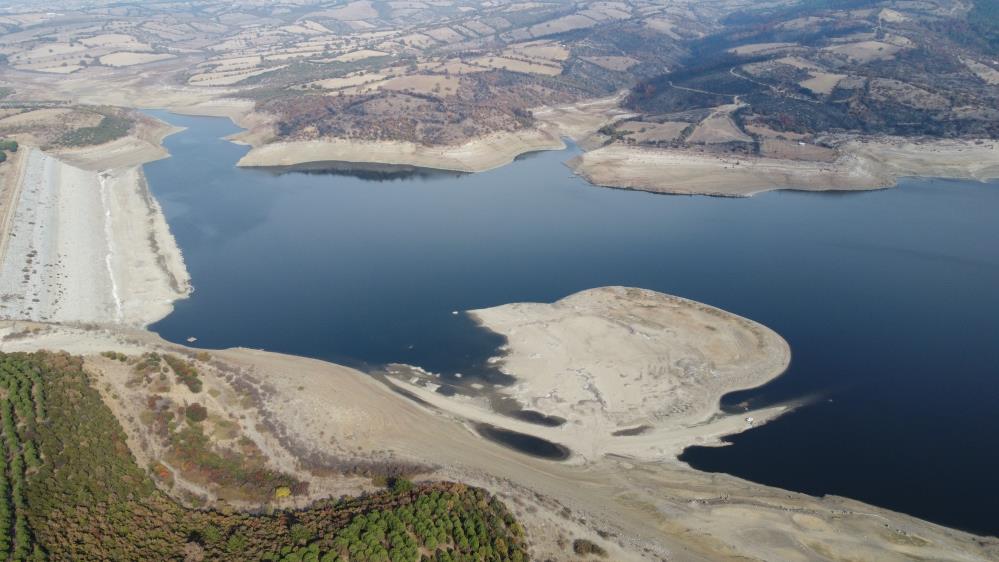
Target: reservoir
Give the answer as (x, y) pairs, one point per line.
(889, 299)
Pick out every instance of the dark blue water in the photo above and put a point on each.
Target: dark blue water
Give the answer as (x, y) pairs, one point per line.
(889, 299)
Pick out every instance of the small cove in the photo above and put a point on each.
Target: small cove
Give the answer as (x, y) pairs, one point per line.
(887, 298)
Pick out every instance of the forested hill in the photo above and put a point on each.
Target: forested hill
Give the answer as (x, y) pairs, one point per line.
(984, 19)
(871, 67)
(71, 490)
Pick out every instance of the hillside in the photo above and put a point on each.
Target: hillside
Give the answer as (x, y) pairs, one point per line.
(73, 491)
(772, 82)
(720, 75)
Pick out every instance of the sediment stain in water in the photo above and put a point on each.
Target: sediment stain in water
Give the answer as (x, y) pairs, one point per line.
(887, 298)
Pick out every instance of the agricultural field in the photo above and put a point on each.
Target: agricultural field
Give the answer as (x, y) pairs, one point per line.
(448, 72)
(126, 58)
(447, 57)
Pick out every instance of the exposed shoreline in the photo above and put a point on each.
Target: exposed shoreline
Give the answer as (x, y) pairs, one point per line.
(651, 505)
(479, 155)
(636, 375)
(635, 508)
(612, 359)
(863, 165)
(88, 242)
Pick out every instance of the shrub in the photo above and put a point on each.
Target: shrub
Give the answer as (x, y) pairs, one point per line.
(584, 547)
(235, 544)
(196, 413)
(401, 485)
(211, 533)
(186, 373)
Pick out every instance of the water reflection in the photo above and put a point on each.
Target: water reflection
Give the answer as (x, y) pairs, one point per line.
(364, 171)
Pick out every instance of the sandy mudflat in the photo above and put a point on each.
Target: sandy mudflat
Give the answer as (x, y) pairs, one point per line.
(478, 155)
(683, 172)
(148, 266)
(87, 246)
(645, 510)
(861, 165)
(957, 159)
(615, 359)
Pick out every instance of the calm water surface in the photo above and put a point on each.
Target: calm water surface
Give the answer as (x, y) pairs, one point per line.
(889, 299)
